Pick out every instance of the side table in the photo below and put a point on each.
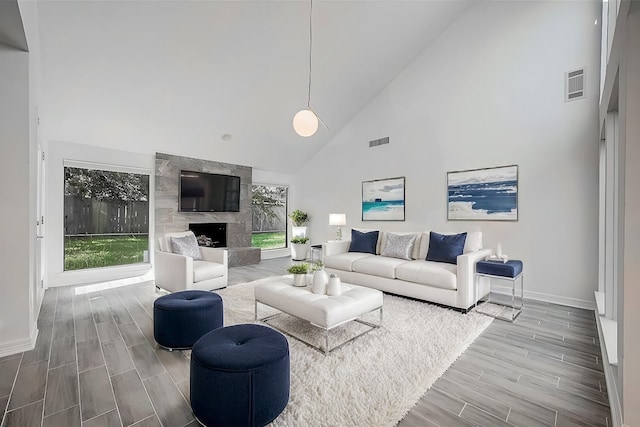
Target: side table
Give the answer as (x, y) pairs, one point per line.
(511, 271)
(316, 253)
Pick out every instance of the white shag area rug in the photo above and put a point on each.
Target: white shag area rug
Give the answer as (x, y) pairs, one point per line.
(377, 378)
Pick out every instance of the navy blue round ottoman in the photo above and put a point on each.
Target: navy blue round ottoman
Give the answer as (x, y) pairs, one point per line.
(240, 376)
(181, 318)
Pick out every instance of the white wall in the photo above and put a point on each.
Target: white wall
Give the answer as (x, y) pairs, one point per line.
(488, 92)
(630, 110)
(17, 332)
(29, 15)
(57, 153)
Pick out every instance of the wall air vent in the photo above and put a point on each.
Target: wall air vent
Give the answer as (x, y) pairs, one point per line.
(377, 142)
(574, 85)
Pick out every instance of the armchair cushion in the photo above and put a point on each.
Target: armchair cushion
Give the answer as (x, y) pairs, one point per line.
(205, 270)
(187, 246)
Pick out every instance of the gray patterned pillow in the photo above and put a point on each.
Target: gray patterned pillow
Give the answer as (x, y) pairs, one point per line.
(187, 246)
(399, 246)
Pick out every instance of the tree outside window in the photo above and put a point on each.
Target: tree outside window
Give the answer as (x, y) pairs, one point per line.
(106, 218)
(269, 204)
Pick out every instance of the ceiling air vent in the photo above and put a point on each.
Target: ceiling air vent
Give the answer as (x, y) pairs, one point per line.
(377, 142)
(574, 85)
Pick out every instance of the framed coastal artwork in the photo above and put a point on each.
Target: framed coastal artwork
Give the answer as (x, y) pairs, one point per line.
(483, 194)
(383, 200)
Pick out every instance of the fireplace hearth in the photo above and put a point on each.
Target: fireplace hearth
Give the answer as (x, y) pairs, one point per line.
(213, 234)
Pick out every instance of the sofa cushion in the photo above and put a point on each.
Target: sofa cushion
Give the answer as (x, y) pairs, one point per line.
(364, 242)
(378, 266)
(445, 247)
(472, 244)
(187, 246)
(437, 274)
(398, 246)
(415, 254)
(343, 261)
(205, 270)
(368, 230)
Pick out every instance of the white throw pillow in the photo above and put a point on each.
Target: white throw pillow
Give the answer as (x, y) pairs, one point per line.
(399, 246)
(187, 246)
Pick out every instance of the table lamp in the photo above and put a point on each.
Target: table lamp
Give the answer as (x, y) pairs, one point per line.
(338, 219)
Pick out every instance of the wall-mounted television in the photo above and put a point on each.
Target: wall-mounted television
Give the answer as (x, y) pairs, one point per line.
(209, 192)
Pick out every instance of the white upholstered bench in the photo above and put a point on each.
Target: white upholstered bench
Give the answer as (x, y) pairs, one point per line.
(322, 311)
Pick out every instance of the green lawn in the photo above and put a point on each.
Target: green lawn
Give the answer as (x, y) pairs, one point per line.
(95, 251)
(272, 240)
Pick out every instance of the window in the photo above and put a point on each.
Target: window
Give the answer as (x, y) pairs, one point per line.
(106, 218)
(611, 207)
(269, 223)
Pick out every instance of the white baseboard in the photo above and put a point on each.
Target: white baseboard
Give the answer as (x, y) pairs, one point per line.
(98, 275)
(8, 348)
(555, 299)
(275, 253)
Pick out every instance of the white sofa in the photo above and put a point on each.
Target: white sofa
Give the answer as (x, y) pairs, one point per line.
(438, 282)
(175, 272)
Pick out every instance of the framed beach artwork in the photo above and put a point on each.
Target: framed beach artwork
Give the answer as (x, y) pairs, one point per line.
(483, 194)
(383, 200)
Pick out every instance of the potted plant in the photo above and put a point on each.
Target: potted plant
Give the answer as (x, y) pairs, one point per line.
(299, 248)
(299, 219)
(299, 272)
(316, 266)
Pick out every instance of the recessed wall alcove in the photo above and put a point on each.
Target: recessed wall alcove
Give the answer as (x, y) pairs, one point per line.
(169, 219)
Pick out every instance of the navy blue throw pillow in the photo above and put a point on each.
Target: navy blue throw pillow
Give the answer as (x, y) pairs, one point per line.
(445, 247)
(364, 242)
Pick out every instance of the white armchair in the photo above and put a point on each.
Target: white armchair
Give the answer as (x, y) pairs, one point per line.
(175, 272)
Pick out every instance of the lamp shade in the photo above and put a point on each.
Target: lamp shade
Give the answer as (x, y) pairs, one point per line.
(337, 219)
(305, 123)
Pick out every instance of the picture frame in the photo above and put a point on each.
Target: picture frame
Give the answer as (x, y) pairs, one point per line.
(487, 194)
(383, 199)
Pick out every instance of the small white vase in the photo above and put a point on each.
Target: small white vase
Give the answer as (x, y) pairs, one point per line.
(300, 280)
(334, 287)
(319, 283)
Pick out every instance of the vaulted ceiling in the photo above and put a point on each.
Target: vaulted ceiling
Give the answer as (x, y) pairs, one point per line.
(175, 76)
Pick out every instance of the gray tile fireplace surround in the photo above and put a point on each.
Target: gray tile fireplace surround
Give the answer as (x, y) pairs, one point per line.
(170, 219)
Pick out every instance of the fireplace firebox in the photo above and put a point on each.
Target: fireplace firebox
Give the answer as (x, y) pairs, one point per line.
(213, 234)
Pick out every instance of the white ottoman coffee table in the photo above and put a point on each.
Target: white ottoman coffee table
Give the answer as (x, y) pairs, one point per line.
(322, 311)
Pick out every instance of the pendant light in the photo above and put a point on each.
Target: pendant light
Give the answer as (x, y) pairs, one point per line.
(305, 122)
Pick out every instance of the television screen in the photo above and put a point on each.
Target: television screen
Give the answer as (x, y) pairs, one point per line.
(207, 192)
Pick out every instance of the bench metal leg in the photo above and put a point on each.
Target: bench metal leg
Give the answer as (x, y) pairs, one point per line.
(327, 349)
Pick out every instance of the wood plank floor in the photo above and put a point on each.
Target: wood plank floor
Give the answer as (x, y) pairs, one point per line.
(96, 364)
(545, 369)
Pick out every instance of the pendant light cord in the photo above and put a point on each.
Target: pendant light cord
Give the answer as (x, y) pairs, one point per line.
(310, 51)
(310, 63)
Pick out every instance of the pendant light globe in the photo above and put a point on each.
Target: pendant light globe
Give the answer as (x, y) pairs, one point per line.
(305, 123)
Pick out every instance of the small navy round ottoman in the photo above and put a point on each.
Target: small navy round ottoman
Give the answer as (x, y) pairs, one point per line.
(240, 376)
(181, 318)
